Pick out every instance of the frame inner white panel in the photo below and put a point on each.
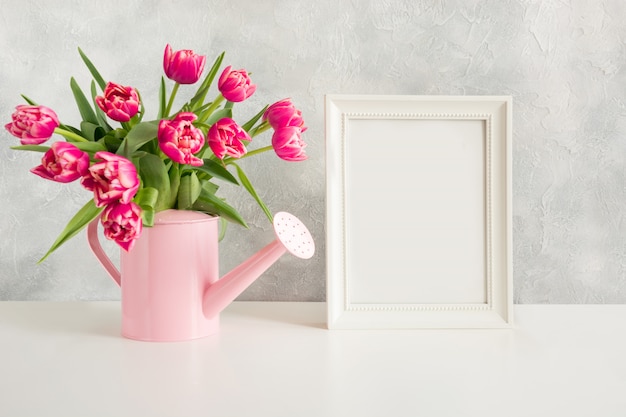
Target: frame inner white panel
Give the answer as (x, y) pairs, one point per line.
(420, 237)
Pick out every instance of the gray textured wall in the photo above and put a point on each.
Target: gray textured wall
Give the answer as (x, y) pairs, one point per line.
(562, 61)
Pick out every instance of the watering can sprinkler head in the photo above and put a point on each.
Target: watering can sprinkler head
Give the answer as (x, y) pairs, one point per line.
(293, 235)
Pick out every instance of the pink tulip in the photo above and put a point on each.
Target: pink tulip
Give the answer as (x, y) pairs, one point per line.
(225, 138)
(179, 139)
(111, 179)
(235, 85)
(184, 66)
(64, 162)
(33, 125)
(122, 223)
(282, 114)
(119, 103)
(288, 143)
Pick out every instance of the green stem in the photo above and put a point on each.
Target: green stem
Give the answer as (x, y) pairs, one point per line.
(260, 129)
(216, 103)
(251, 153)
(171, 100)
(69, 135)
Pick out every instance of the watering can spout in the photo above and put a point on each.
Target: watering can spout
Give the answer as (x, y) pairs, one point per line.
(291, 236)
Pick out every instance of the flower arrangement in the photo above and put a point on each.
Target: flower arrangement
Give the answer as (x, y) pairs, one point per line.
(177, 161)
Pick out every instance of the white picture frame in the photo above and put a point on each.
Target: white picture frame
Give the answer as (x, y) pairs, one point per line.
(418, 211)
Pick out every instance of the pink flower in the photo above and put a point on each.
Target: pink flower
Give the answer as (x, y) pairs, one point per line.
(288, 143)
(235, 85)
(113, 178)
(179, 139)
(282, 114)
(122, 223)
(184, 66)
(119, 103)
(64, 162)
(32, 124)
(225, 138)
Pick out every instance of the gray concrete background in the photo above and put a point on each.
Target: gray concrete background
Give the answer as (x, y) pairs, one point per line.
(562, 61)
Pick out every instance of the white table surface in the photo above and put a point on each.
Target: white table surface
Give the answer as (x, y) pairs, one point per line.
(278, 359)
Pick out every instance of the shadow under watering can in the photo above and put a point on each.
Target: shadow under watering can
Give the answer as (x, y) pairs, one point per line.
(170, 284)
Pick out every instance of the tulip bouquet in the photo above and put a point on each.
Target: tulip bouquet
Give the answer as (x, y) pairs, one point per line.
(137, 168)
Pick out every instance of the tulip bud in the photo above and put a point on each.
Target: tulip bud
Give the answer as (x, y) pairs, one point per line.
(288, 144)
(283, 114)
(179, 139)
(226, 138)
(122, 223)
(184, 66)
(33, 125)
(118, 102)
(235, 85)
(63, 162)
(113, 178)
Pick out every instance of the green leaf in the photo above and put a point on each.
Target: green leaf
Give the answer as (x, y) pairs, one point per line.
(189, 191)
(94, 72)
(211, 204)
(201, 109)
(91, 131)
(84, 216)
(35, 148)
(147, 198)
(29, 101)
(139, 135)
(198, 99)
(162, 99)
(112, 143)
(84, 107)
(217, 115)
(248, 186)
(250, 123)
(217, 170)
(174, 175)
(207, 110)
(154, 174)
(210, 187)
(102, 119)
(222, 229)
(90, 147)
(142, 110)
(71, 129)
(147, 217)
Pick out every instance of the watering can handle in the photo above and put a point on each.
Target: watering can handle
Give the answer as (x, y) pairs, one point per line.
(96, 248)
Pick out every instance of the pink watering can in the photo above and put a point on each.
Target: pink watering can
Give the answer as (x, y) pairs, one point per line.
(170, 283)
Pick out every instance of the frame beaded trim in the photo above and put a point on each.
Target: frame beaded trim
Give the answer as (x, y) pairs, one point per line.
(486, 118)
